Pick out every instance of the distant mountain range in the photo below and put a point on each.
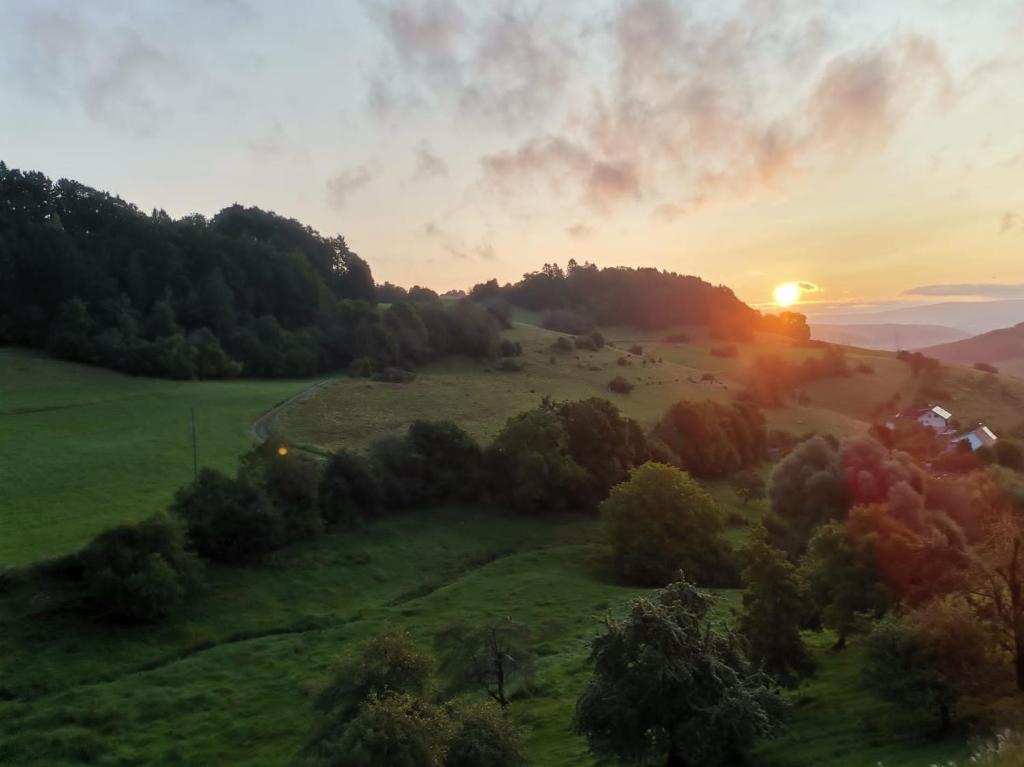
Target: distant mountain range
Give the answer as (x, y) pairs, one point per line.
(970, 317)
(1003, 348)
(886, 336)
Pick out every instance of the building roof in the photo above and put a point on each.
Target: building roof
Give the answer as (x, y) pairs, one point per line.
(942, 413)
(987, 432)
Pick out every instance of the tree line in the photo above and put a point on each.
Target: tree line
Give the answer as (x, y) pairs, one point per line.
(93, 279)
(582, 296)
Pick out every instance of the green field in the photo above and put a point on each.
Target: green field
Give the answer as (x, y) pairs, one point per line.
(83, 448)
(229, 680)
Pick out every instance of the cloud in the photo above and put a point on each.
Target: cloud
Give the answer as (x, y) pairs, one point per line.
(579, 231)
(1007, 221)
(503, 65)
(971, 290)
(346, 183)
(117, 76)
(455, 247)
(428, 164)
(808, 287)
(702, 109)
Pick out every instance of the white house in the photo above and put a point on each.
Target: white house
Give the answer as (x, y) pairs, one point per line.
(936, 418)
(980, 436)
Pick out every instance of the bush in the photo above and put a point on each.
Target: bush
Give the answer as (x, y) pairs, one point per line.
(677, 338)
(636, 349)
(291, 482)
(349, 491)
(567, 321)
(484, 737)
(510, 365)
(229, 520)
(140, 571)
(661, 521)
(394, 375)
(985, 367)
(620, 385)
(452, 460)
(623, 362)
(727, 351)
(562, 344)
(510, 348)
(865, 368)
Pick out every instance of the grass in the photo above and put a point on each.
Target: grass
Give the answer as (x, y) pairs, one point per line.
(85, 448)
(229, 679)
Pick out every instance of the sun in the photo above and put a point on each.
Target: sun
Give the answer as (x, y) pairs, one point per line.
(787, 294)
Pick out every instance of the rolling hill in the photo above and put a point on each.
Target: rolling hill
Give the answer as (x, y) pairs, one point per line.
(971, 317)
(887, 336)
(1003, 348)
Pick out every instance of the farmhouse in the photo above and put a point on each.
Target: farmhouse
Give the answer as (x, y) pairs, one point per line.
(936, 418)
(980, 436)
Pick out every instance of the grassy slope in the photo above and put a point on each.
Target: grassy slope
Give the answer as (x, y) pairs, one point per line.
(228, 681)
(84, 448)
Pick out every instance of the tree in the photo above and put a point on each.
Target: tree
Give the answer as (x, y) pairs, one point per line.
(713, 440)
(773, 608)
(141, 571)
(484, 737)
(660, 521)
(349, 491)
(291, 482)
(492, 656)
(229, 520)
(529, 466)
(71, 335)
(843, 581)
(390, 730)
(603, 442)
(898, 668)
(806, 490)
(670, 684)
(452, 460)
(749, 485)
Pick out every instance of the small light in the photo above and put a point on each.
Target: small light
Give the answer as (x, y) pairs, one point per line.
(282, 450)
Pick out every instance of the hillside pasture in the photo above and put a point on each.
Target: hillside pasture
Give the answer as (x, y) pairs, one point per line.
(85, 448)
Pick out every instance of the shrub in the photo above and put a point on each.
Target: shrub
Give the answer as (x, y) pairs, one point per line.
(567, 321)
(291, 482)
(140, 571)
(636, 349)
(985, 367)
(661, 521)
(510, 348)
(620, 385)
(452, 460)
(865, 368)
(623, 362)
(484, 737)
(229, 520)
(677, 338)
(727, 351)
(349, 491)
(562, 344)
(510, 365)
(394, 375)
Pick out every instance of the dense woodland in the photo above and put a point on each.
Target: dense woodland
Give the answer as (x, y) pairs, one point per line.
(91, 278)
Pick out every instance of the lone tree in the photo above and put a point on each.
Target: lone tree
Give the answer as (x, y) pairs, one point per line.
(661, 521)
(492, 656)
(773, 609)
(668, 684)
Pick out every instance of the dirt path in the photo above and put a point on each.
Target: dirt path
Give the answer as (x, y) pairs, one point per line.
(260, 428)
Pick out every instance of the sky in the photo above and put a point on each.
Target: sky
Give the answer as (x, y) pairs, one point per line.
(868, 149)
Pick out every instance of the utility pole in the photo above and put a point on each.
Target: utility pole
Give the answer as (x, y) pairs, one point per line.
(195, 449)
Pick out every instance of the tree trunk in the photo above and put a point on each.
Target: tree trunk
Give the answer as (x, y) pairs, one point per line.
(840, 642)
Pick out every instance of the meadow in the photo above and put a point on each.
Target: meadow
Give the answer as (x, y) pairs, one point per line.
(84, 448)
(229, 679)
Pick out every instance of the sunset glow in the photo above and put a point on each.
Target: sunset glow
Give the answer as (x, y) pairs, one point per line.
(787, 294)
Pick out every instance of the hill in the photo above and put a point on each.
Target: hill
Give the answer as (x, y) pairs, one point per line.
(886, 336)
(970, 317)
(1003, 348)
